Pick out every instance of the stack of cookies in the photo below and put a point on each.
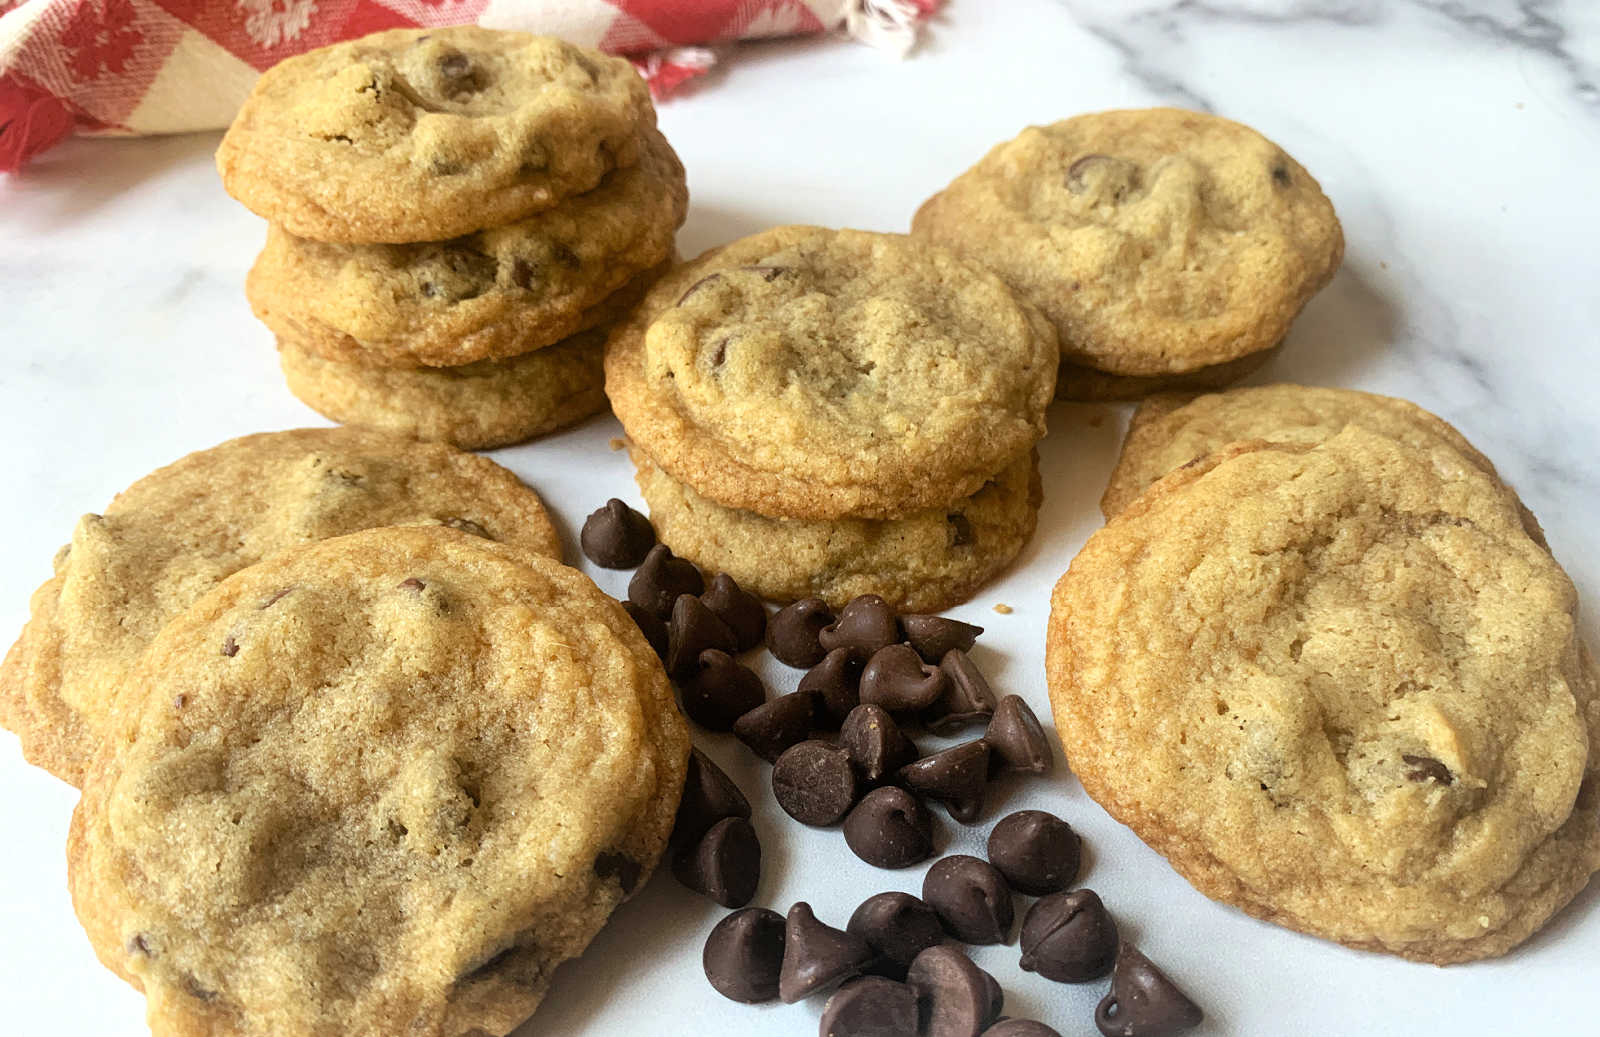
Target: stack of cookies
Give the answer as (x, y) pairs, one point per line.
(1322, 659)
(456, 216)
(826, 414)
(1170, 249)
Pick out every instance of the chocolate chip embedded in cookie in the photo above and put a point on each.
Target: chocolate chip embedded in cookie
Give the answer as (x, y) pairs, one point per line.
(1168, 248)
(428, 134)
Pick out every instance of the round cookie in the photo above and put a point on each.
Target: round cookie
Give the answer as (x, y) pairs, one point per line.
(1341, 689)
(171, 536)
(1163, 245)
(384, 783)
(476, 406)
(810, 373)
(429, 133)
(490, 295)
(925, 562)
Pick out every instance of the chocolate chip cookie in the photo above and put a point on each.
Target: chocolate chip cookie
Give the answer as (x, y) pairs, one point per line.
(171, 536)
(486, 296)
(383, 783)
(815, 374)
(1168, 248)
(1338, 686)
(428, 134)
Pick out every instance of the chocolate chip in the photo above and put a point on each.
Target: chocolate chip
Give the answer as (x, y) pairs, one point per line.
(466, 526)
(898, 927)
(709, 795)
(139, 944)
(1016, 740)
(738, 608)
(661, 579)
(817, 956)
(696, 287)
(870, 1007)
(1143, 1002)
(774, 726)
(230, 647)
(410, 583)
(724, 865)
(1020, 1028)
(997, 999)
(455, 66)
(792, 633)
(897, 679)
(956, 777)
(1425, 768)
(692, 630)
(744, 954)
(616, 537)
(522, 277)
(890, 828)
(953, 995)
(721, 691)
(1078, 170)
(875, 743)
(867, 622)
(619, 866)
(933, 636)
(278, 596)
(1280, 174)
(649, 625)
(1036, 851)
(1069, 937)
(960, 529)
(1114, 176)
(836, 681)
(814, 783)
(966, 699)
(195, 989)
(769, 272)
(971, 897)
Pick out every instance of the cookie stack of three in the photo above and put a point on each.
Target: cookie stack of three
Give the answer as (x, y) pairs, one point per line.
(827, 413)
(457, 215)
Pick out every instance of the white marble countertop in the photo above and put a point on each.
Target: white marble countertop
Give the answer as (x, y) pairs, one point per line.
(1459, 143)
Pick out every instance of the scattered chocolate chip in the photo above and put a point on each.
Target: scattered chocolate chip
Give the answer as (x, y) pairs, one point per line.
(792, 632)
(1036, 851)
(738, 608)
(774, 726)
(139, 943)
(696, 287)
(721, 691)
(897, 679)
(933, 636)
(466, 526)
(960, 529)
(1076, 173)
(867, 622)
(661, 579)
(971, 897)
(180, 701)
(870, 1007)
(744, 954)
(997, 998)
(693, 629)
(230, 647)
(953, 995)
(814, 783)
(1020, 1028)
(278, 596)
(1425, 768)
(565, 256)
(817, 956)
(619, 866)
(898, 927)
(836, 681)
(616, 536)
(1069, 937)
(1143, 1002)
(956, 777)
(875, 744)
(410, 583)
(890, 828)
(769, 272)
(966, 699)
(649, 625)
(195, 989)
(1016, 740)
(455, 66)
(522, 277)
(724, 865)
(709, 795)
(1280, 174)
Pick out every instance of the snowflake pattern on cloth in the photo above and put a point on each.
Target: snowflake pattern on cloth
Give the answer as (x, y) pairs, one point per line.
(273, 22)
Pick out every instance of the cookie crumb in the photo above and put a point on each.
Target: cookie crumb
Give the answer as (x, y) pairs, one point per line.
(617, 443)
(1003, 609)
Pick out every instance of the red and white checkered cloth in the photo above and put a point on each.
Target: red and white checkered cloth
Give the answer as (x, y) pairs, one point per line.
(172, 66)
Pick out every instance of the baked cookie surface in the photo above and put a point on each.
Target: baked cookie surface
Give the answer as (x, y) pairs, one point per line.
(489, 295)
(171, 536)
(427, 134)
(925, 562)
(1341, 689)
(1159, 242)
(811, 373)
(380, 784)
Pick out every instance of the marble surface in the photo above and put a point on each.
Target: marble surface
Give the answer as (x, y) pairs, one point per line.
(1458, 141)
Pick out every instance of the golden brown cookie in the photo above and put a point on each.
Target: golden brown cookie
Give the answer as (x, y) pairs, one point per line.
(171, 536)
(384, 783)
(1338, 686)
(927, 561)
(490, 295)
(1162, 244)
(811, 373)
